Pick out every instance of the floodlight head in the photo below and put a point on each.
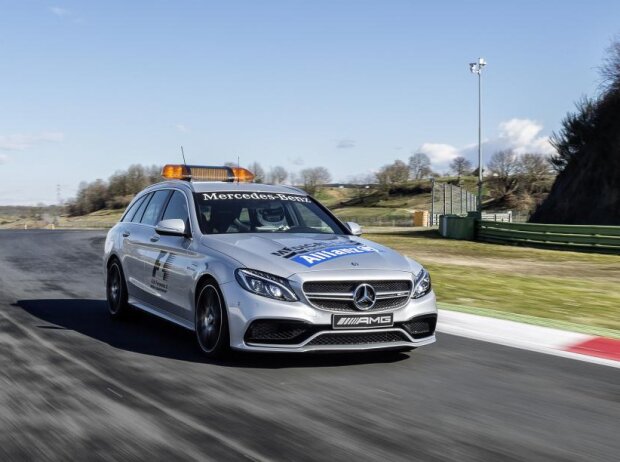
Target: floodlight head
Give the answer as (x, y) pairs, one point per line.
(472, 67)
(481, 62)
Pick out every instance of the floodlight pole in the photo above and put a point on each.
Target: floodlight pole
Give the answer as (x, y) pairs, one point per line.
(476, 68)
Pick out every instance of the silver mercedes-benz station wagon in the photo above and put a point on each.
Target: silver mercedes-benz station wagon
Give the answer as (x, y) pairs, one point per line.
(261, 268)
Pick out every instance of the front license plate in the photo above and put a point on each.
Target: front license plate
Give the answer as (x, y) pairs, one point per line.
(369, 321)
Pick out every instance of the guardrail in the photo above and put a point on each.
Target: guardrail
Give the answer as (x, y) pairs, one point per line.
(573, 237)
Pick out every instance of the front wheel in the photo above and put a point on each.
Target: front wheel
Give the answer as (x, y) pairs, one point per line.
(116, 291)
(211, 322)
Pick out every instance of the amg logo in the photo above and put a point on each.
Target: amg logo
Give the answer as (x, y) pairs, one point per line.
(365, 320)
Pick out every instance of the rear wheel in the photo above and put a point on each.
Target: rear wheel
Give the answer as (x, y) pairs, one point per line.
(116, 291)
(211, 321)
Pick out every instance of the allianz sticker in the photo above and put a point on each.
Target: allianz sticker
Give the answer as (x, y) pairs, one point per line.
(319, 252)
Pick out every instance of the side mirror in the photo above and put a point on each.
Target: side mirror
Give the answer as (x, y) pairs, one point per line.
(355, 229)
(171, 227)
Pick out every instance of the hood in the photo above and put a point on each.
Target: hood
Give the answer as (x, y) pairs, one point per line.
(285, 254)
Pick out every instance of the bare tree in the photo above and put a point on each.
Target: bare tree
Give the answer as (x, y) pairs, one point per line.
(610, 71)
(533, 166)
(503, 166)
(504, 163)
(419, 165)
(258, 171)
(313, 178)
(460, 166)
(277, 175)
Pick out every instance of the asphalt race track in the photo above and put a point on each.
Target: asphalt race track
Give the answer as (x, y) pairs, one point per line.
(75, 385)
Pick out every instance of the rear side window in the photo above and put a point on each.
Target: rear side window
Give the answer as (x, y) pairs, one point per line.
(140, 211)
(131, 211)
(154, 208)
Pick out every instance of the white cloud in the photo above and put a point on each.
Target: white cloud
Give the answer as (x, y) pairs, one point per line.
(19, 142)
(523, 135)
(3, 158)
(60, 12)
(66, 14)
(182, 128)
(520, 135)
(440, 154)
(345, 143)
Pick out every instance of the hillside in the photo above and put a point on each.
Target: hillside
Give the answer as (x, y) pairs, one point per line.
(587, 191)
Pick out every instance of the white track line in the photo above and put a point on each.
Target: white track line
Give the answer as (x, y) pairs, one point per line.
(518, 335)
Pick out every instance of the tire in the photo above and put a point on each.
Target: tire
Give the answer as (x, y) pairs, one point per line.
(116, 291)
(211, 321)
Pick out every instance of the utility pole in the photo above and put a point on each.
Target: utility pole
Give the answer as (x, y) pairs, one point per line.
(476, 68)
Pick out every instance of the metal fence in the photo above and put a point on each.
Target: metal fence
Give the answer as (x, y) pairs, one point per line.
(504, 217)
(450, 199)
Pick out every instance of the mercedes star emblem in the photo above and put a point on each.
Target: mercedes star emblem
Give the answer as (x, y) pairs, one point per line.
(364, 297)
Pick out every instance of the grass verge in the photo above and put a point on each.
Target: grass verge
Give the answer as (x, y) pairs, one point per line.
(578, 291)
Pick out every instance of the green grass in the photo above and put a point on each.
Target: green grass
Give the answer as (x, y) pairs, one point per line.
(578, 289)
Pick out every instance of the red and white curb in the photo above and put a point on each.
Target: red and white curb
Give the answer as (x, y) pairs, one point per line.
(583, 347)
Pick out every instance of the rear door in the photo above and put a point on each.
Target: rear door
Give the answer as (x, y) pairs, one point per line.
(131, 260)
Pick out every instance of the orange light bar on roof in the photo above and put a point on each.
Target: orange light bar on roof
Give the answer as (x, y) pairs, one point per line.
(202, 173)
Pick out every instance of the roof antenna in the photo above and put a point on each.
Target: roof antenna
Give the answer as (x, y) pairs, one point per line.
(183, 154)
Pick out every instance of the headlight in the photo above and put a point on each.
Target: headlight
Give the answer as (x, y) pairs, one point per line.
(422, 284)
(265, 284)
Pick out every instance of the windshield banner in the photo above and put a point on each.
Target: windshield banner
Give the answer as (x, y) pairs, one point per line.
(227, 196)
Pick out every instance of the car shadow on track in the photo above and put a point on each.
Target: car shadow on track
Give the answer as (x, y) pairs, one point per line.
(150, 335)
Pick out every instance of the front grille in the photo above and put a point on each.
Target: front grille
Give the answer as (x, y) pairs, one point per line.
(358, 338)
(420, 327)
(338, 295)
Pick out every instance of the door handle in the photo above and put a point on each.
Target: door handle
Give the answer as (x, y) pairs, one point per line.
(155, 238)
(126, 233)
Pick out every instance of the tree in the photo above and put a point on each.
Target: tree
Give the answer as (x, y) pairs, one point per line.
(419, 165)
(503, 166)
(258, 171)
(277, 175)
(504, 163)
(460, 166)
(395, 173)
(578, 130)
(313, 178)
(533, 166)
(392, 174)
(610, 71)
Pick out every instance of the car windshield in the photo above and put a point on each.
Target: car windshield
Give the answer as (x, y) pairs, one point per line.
(257, 212)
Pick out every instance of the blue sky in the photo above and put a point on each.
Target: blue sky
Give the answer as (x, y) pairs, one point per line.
(88, 88)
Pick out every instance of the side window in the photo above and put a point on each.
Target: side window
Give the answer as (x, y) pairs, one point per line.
(138, 215)
(153, 210)
(177, 208)
(131, 211)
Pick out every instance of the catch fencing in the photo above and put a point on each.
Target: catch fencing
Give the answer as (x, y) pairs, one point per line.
(447, 199)
(575, 237)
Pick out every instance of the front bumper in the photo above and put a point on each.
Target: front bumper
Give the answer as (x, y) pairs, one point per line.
(244, 308)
